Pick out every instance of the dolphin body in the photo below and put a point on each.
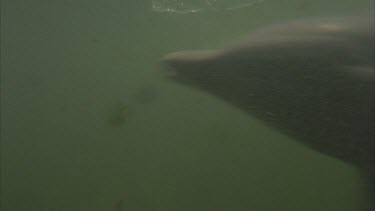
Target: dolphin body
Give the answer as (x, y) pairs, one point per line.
(312, 79)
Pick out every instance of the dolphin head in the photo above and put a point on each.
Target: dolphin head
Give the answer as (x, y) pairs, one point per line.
(312, 79)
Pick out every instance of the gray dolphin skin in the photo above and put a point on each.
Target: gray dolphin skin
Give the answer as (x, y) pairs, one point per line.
(314, 80)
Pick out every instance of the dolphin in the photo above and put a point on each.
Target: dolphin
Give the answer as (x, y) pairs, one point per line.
(313, 79)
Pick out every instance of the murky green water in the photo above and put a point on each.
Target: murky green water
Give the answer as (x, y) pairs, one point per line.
(89, 123)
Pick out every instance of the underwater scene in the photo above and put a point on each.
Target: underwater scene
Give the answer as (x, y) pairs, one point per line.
(178, 105)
